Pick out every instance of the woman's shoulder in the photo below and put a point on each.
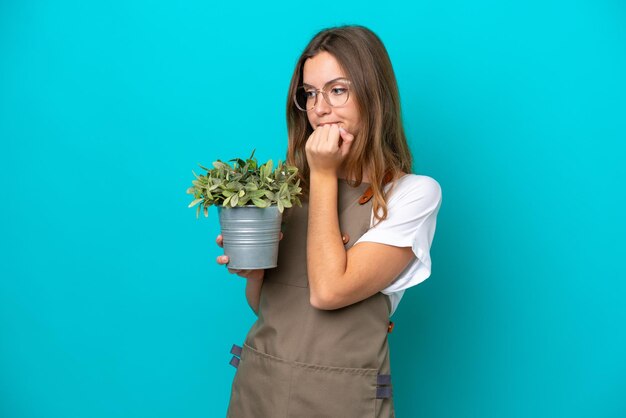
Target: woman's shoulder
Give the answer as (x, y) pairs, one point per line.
(415, 186)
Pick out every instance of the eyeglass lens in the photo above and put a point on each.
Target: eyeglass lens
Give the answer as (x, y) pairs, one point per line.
(335, 94)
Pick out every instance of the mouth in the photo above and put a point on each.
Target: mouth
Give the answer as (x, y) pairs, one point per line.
(328, 123)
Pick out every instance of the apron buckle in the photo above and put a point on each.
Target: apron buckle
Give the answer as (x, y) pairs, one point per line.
(383, 389)
(236, 350)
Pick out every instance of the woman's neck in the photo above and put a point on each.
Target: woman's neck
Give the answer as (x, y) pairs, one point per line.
(342, 175)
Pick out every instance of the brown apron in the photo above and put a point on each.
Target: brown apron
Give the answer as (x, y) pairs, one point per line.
(298, 361)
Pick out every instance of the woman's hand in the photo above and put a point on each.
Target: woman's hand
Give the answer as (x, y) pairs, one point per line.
(248, 274)
(256, 274)
(327, 148)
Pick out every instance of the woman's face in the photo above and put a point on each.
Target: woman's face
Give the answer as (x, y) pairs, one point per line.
(317, 72)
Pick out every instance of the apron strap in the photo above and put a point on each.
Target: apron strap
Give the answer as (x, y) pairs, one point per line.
(367, 195)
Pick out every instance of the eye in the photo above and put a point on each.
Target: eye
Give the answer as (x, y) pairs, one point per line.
(310, 94)
(338, 90)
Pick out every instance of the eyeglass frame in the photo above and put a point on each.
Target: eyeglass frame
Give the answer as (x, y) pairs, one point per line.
(323, 91)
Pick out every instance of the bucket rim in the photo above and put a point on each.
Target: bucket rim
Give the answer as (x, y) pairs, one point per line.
(245, 206)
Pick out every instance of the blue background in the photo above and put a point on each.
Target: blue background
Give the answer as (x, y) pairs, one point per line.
(111, 304)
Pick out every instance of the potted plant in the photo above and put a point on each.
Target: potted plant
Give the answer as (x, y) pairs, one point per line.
(250, 199)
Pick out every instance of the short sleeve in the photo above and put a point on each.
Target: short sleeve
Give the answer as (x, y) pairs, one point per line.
(412, 209)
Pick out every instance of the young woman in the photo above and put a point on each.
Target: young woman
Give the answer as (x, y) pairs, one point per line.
(319, 347)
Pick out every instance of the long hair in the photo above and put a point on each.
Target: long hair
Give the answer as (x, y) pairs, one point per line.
(381, 145)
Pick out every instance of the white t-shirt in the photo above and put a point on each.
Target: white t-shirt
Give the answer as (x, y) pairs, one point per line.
(412, 208)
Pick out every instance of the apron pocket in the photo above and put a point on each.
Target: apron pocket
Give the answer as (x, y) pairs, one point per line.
(260, 387)
(331, 392)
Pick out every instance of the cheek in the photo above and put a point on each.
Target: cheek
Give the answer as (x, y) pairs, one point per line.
(355, 121)
(352, 113)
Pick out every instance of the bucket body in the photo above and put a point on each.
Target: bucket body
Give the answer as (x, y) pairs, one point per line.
(251, 236)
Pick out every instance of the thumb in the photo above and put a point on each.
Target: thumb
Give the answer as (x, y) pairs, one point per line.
(348, 138)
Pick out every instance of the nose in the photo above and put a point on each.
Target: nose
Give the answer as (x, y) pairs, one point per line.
(321, 107)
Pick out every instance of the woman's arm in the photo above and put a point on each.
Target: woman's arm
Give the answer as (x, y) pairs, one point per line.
(253, 293)
(254, 278)
(337, 277)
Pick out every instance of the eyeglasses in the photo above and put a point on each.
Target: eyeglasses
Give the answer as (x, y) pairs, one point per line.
(335, 92)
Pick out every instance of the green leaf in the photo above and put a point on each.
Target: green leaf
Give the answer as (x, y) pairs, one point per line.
(239, 162)
(256, 193)
(233, 185)
(246, 182)
(203, 167)
(195, 202)
(220, 165)
(281, 207)
(260, 203)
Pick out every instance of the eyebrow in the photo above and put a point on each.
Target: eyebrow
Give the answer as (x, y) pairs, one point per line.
(328, 82)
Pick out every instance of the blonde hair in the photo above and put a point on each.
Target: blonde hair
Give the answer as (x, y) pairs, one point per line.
(382, 145)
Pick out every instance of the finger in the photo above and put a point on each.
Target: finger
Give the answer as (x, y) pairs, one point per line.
(219, 240)
(244, 273)
(252, 274)
(345, 135)
(311, 140)
(318, 138)
(326, 134)
(332, 141)
(280, 236)
(348, 139)
(222, 259)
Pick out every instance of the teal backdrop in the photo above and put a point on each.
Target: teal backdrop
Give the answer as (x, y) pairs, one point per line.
(111, 303)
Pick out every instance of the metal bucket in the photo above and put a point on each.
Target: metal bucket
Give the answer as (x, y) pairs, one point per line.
(251, 236)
